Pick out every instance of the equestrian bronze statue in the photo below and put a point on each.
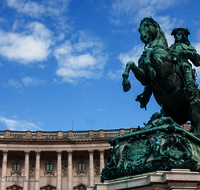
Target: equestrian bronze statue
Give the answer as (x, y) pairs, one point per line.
(167, 73)
(162, 144)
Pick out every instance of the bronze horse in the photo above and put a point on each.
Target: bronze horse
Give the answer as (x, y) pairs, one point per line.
(156, 71)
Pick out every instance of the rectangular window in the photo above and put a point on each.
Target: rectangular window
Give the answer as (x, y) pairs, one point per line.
(49, 167)
(81, 166)
(16, 166)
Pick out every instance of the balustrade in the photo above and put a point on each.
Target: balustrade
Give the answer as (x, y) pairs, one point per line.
(17, 134)
(1, 133)
(96, 133)
(111, 133)
(70, 134)
(128, 131)
(49, 134)
(78, 134)
(33, 134)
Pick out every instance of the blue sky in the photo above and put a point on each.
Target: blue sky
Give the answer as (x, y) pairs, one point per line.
(61, 61)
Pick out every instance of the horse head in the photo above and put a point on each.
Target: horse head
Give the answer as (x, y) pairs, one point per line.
(151, 33)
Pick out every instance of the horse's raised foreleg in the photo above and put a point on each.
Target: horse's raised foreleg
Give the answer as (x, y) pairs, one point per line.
(138, 72)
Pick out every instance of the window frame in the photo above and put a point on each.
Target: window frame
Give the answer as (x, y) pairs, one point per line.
(16, 164)
(49, 164)
(83, 166)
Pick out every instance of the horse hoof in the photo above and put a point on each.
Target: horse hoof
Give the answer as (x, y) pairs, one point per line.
(126, 85)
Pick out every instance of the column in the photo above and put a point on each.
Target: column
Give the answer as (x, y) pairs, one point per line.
(101, 160)
(59, 170)
(26, 170)
(91, 166)
(4, 169)
(37, 170)
(70, 176)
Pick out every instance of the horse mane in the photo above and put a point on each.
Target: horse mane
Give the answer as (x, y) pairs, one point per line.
(160, 39)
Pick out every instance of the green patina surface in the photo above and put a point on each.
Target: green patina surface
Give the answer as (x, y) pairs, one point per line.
(166, 72)
(165, 147)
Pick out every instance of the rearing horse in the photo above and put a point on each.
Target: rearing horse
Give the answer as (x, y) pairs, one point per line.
(157, 73)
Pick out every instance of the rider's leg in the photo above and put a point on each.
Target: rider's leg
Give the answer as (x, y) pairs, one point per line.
(189, 81)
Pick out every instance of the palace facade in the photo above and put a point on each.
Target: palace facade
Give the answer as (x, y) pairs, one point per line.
(70, 160)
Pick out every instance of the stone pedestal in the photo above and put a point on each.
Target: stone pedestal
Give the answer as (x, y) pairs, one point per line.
(161, 146)
(176, 179)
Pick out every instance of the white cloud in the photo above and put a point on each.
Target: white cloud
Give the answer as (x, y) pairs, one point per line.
(135, 10)
(166, 22)
(198, 35)
(115, 75)
(83, 59)
(101, 109)
(28, 81)
(31, 8)
(14, 83)
(41, 66)
(132, 55)
(51, 11)
(61, 37)
(36, 10)
(170, 38)
(25, 81)
(3, 20)
(18, 125)
(197, 47)
(15, 25)
(26, 48)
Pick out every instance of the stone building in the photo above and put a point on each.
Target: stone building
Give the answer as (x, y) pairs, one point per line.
(70, 160)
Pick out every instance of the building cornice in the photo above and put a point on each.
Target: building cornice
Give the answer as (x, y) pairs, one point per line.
(60, 137)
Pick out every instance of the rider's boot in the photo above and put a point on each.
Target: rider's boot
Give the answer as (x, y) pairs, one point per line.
(189, 90)
(189, 85)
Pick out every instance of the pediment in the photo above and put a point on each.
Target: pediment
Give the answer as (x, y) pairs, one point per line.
(80, 186)
(14, 187)
(48, 187)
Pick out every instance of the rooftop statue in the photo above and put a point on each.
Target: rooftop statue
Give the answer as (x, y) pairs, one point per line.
(167, 73)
